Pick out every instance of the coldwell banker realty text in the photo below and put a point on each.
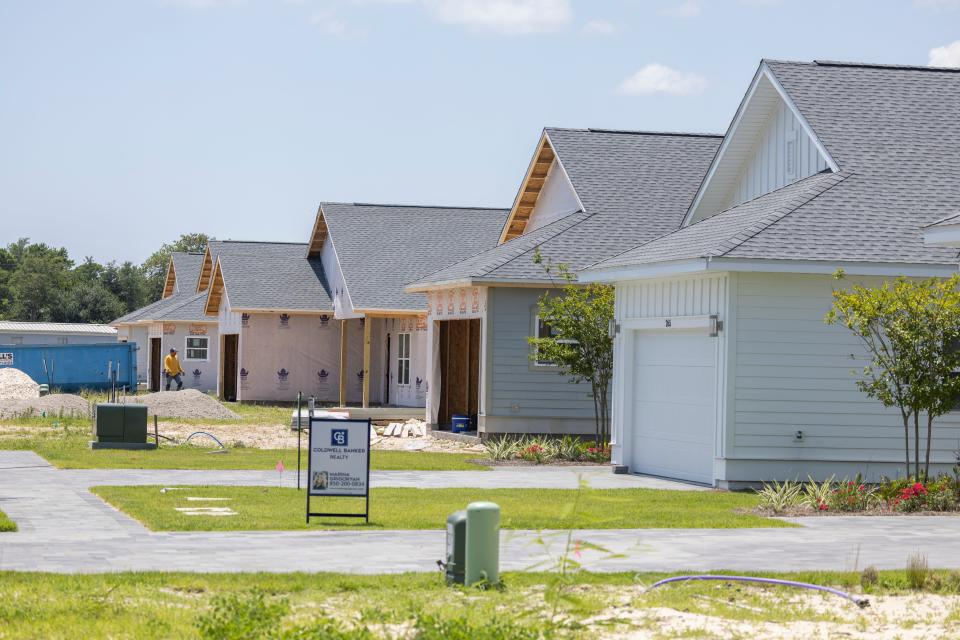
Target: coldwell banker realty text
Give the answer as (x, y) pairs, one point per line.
(339, 457)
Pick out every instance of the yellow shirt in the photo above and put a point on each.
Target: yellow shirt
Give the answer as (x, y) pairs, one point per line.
(171, 364)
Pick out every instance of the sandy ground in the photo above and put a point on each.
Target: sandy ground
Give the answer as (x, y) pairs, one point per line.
(902, 617)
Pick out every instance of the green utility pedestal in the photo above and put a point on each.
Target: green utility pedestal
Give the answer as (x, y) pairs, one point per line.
(456, 546)
(121, 426)
(483, 543)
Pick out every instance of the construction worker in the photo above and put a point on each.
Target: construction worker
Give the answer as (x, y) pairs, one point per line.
(172, 369)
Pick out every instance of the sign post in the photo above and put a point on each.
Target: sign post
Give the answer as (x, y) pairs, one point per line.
(338, 465)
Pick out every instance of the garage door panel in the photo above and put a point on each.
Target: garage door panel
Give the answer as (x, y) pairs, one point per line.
(660, 384)
(673, 404)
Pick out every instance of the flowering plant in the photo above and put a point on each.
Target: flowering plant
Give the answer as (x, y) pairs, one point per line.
(849, 495)
(910, 498)
(534, 453)
(598, 454)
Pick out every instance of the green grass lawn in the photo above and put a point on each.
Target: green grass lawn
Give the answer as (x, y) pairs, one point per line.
(6, 524)
(532, 605)
(70, 449)
(273, 508)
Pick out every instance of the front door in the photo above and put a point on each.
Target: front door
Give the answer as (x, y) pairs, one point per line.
(156, 359)
(231, 342)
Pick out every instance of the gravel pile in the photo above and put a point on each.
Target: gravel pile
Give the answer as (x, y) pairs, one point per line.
(53, 405)
(16, 385)
(188, 403)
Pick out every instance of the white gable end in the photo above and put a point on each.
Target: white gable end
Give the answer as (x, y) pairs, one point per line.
(557, 199)
(769, 145)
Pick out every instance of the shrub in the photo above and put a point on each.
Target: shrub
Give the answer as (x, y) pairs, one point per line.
(941, 495)
(817, 495)
(503, 448)
(778, 497)
(570, 448)
(851, 495)
(911, 498)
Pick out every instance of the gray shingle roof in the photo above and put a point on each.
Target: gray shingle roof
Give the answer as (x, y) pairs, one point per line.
(277, 278)
(894, 133)
(187, 266)
(251, 247)
(189, 308)
(634, 186)
(381, 248)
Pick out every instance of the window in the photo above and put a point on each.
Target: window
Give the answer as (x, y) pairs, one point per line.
(791, 162)
(403, 358)
(62, 340)
(197, 348)
(16, 340)
(543, 330)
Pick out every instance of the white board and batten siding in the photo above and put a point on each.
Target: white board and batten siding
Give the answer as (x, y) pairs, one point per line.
(794, 373)
(783, 154)
(557, 199)
(665, 312)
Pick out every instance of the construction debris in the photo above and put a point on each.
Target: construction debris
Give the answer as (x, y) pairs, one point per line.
(188, 403)
(16, 385)
(412, 428)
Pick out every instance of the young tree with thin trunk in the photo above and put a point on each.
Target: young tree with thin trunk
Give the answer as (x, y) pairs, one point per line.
(911, 332)
(580, 345)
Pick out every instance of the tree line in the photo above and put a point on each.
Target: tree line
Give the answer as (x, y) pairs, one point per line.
(41, 283)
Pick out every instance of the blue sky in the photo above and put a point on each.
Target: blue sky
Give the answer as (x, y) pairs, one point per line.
(126, 123)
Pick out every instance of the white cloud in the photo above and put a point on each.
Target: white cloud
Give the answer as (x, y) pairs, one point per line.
(330, 24)
(503, 16)
(686, 9)
(946, 56)
(598, 27)
(658, 78)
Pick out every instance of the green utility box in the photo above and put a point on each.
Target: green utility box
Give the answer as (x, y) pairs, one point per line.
(121, 426)
(456, 546)
(483, 544)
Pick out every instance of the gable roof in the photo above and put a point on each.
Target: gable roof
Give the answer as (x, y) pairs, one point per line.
(183, 270)
(180, 307)
(634, 186)
(381, 248)
(893, 132)
(268, 276)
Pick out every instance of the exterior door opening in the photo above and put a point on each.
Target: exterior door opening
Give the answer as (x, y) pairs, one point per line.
(459, 370)
(231, 342)
(156, 360)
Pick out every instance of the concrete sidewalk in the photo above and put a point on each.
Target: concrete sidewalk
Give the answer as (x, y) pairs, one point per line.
(64, 528)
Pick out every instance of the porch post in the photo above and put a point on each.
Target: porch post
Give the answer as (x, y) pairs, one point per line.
(367, 321)
(343, 362)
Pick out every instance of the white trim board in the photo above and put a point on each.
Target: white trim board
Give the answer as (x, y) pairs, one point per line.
(700, 265)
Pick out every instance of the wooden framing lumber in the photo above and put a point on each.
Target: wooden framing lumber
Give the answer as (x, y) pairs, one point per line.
(367, 322)
(530, 189)
(343, 363)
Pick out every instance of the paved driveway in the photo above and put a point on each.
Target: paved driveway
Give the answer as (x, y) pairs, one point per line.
(64, 528)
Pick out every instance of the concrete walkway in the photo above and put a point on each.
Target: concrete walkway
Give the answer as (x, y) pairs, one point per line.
(64, 528)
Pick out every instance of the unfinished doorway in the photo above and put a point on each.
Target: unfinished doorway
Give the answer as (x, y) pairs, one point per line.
(459, 369)
(231, 342)
(155, 364)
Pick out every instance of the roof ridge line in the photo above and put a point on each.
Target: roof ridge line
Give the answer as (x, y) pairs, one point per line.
(417, 206)
(638, 132)
(799, 201)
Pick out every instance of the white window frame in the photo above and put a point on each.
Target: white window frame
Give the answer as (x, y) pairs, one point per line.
(403, 358)
(63, 340)
(187, 349)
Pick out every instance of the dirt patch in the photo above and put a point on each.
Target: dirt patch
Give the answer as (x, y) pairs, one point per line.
(53, 405)
(273, 436)
(16, 385)
(189, 403)
(731, 613)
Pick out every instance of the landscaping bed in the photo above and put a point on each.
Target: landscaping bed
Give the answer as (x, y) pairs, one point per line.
(274, 508)
(421, 607)
(543, 449)
(903, 496)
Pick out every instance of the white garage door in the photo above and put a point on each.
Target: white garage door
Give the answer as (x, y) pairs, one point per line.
(673, 417)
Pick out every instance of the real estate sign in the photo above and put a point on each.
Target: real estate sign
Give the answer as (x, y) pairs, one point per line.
(339, 460)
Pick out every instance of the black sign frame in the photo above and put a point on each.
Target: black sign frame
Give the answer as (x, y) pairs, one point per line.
(366, 495)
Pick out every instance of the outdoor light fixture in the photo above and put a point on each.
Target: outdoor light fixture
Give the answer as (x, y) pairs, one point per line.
(716, 326)
(613, 328)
